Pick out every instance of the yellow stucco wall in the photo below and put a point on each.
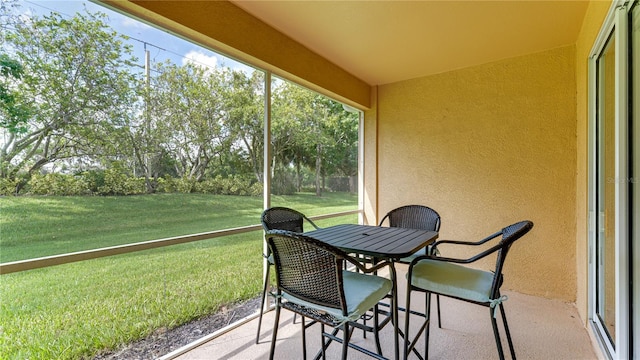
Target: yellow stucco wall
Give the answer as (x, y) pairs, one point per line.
(591, 25)
(488, 146)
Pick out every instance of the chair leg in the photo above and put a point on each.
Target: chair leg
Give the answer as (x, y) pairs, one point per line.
(345, 340)
(304, 340)
(496, 334)
(506, 329)
(439, 317)
(427, 304)
(407, 340)
(376, 333)
(324, 345)
(275, 331)
(410, 345)
(262, 305)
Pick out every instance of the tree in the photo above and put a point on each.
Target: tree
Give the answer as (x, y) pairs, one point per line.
(77, 82)
(287, 136)
(13, 112)
(341, 154)
(301, 135)
(244, 108)
(187, 100)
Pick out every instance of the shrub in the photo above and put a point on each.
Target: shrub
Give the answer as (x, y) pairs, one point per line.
(135, 186)
(232, 185)
(8, 186)
(58, 184)
(210, 186)
(185, 185)
(94, 179)
(117, 182)
(255, 189)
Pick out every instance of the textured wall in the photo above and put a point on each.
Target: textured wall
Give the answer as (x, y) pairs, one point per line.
(488, 146)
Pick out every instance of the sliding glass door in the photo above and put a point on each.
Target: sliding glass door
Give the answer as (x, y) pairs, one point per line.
(605, 307)
(613, 199)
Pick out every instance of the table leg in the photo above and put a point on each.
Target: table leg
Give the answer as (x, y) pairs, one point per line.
(394, 311)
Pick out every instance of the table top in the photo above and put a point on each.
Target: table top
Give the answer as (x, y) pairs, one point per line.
(382, 242)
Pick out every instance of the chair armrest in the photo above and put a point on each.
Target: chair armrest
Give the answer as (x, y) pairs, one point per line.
(468, 243)
(474, 258)
(312, 223)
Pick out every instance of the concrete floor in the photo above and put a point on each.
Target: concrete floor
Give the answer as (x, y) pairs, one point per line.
(540, 328)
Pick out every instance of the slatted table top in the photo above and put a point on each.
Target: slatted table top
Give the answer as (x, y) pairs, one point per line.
(381, 242)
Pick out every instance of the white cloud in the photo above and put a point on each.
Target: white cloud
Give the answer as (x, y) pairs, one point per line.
(212, 60)
(128, 22)
(199, 58)
(237, 66)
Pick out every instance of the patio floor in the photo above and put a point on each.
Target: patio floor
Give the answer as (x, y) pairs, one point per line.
(541, 329)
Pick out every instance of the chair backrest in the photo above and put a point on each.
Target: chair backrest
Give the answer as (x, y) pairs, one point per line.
(413, 217)
(283, 218)
(308, 269)
(509, 234)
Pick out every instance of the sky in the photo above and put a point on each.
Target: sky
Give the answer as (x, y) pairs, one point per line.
(161, 44)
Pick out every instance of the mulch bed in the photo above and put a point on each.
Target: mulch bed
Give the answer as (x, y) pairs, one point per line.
(164, 341)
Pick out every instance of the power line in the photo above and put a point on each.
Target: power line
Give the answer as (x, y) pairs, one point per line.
(145, 43)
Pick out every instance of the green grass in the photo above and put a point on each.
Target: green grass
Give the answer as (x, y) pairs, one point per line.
(32, 227)
(75, 310)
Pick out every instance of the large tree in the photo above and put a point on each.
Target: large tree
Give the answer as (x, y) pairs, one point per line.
(77, 83)
(341, 152)
(188, 100)
(13, 113)
(244, 109)
(302, 119)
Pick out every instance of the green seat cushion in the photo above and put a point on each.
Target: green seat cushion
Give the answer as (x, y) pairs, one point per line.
(409, 258)
(362, 292)
(452, 280)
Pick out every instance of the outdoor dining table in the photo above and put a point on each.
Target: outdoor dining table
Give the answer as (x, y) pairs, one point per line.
(378, 242)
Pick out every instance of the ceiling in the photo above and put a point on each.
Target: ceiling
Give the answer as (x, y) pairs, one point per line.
(387, 41)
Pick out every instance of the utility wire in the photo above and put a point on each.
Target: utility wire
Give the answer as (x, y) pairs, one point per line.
(143, 42)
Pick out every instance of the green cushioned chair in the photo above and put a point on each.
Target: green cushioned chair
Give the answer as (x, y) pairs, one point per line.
(279, 218)
(447, 277)
(312, 280)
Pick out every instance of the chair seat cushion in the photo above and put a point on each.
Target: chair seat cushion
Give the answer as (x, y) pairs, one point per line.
(408, 259)
(362, 292)
(452, 280)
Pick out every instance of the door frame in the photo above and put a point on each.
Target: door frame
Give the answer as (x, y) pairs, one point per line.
(617, 23)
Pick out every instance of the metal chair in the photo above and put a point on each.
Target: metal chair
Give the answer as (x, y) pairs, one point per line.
(312, 281)
(415, 217)
(444, 276)
(279, 218)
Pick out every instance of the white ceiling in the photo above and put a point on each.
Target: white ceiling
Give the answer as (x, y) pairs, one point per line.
(387, 41)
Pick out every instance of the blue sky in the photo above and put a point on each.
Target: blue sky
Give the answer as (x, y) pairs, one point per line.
(161, 45)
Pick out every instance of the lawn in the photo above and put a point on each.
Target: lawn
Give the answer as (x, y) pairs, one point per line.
(75, 310)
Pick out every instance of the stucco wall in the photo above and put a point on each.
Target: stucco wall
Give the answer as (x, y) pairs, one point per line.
(488, 146)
